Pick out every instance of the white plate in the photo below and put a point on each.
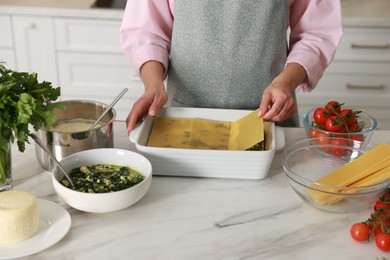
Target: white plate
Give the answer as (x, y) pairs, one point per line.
(54, 223)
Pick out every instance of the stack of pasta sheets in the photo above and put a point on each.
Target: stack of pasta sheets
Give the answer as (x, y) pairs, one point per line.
(368, 169)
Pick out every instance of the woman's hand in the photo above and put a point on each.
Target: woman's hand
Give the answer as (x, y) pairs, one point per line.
(278, 103)
(148, 104)
(153, 99)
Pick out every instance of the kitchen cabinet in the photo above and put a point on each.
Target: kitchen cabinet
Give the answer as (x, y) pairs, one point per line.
(87, 35)
(91, 64)
(98, 77)
(7, 52)
(8, 58)
(81, 54)
(34, 45)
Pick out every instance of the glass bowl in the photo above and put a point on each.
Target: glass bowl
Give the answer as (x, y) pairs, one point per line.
(307, 161)
(367, 123)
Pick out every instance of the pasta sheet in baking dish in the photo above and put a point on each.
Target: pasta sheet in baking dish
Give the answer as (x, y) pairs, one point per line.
(198, 133)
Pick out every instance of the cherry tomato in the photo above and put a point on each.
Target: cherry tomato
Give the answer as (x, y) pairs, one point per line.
(382, 241)
(342, 130)
(381, 218)
(381, 204)
(320, 115)
(339, 134)
(354, 128)
(386, 196)
(333, 124)
(349, 116)
(315, 129)
(340, 142)
(358, 137)
(333, 107)
(360, 231)
(380, 226)
(313, 133)
(339, 151)
(323, 138)
(378, 230)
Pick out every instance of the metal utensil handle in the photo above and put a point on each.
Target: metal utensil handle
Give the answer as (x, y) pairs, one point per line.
(367, 87)
(369, 46)
(108, 108)
(44, 147)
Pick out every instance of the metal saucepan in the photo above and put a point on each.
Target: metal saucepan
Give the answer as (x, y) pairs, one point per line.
(62, 144)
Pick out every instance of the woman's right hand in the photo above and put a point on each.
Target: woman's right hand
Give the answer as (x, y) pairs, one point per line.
(155, 96)
(148, 104)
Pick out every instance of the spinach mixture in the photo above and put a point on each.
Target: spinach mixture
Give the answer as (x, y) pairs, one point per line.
(103, 178)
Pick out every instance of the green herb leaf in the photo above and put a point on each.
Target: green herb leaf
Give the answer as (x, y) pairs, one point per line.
(24, 102)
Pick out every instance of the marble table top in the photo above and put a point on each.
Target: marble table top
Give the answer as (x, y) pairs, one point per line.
(203, 218)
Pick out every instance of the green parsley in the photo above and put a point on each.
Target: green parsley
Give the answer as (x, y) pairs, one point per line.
(24, 102)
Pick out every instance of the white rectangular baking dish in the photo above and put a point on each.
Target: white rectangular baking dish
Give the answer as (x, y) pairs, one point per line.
(208, 163)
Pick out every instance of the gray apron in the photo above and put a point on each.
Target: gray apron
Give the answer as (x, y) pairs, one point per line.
(224, 53)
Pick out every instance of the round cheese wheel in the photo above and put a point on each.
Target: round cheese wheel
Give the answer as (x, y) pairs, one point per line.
(19, 216)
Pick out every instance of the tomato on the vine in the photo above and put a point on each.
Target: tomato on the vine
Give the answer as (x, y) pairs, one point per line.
(336, 121)
(320, 115)
(349, 116)
(358, 137)
(313, 133)
(323, 138)
(333, 107)
(386, 196)
(360, 232)
(378, 224)
(381, 204)
(339, 151)
(382, 241)
(333, 124)
(354, 128)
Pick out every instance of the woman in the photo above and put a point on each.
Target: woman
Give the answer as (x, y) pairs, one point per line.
(229, 54)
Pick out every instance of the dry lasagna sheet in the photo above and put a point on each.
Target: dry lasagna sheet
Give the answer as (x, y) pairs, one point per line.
(198, 133)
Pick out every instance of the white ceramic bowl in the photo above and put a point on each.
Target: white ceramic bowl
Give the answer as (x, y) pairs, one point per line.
(103, 202)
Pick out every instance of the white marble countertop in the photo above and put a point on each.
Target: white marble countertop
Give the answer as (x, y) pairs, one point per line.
(203, 218)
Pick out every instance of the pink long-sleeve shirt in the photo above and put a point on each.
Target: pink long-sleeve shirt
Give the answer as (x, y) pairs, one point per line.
(315, 32)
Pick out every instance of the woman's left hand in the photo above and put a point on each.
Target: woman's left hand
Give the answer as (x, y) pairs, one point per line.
(278, 103)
